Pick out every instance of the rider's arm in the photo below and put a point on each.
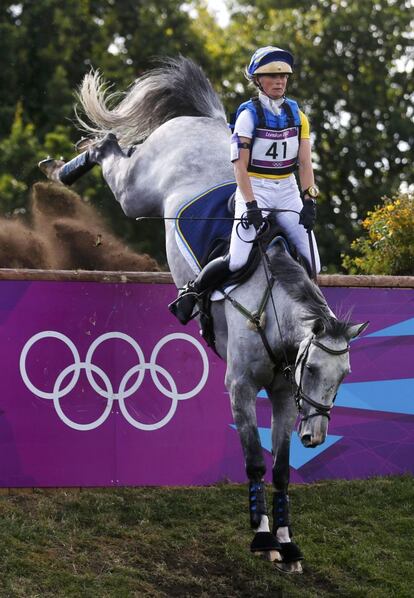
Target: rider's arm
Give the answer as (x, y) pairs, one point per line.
(244, 129)
(305, 165)
(240, 172)
(304, 158)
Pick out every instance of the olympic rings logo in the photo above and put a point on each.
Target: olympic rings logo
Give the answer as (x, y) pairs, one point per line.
(107, 392)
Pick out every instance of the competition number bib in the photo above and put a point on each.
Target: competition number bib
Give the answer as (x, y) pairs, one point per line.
(275, 149)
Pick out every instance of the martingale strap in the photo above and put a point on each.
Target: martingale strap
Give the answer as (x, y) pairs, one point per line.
(256, 317)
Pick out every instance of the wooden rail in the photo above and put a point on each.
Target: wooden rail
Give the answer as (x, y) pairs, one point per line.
(324, 280)
(85, 276)
(363, 280)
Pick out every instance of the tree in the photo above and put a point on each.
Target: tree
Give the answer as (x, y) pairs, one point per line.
(48, 46)
(352, 79)
(387, 247)
(18, 154)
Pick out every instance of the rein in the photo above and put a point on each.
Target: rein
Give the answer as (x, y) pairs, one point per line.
(300, 396)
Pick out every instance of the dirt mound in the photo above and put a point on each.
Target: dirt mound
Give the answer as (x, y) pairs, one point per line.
(21, 247)
(65, 233)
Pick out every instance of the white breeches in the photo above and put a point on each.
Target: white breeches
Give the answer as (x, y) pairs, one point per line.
(272, 193)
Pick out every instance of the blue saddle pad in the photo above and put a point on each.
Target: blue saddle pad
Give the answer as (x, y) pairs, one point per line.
(196, 232)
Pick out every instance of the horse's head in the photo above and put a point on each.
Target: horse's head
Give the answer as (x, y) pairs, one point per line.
(321, 365)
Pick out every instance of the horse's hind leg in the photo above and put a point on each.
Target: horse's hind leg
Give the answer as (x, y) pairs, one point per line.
(283, 419)
(69, 172)
(243, 401)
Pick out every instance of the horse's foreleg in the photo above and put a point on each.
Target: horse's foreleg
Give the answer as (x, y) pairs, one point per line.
(243, 401)
(283, 419)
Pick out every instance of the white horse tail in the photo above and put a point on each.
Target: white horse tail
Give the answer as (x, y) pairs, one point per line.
(178, 87)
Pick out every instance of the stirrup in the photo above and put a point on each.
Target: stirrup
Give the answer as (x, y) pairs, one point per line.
(182, 307)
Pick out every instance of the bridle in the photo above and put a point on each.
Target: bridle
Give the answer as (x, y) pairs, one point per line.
(300, 396)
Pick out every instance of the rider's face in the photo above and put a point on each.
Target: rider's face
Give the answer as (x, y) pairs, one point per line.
(274, 85)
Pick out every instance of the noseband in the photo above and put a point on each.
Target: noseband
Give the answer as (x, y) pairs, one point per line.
(300, 396)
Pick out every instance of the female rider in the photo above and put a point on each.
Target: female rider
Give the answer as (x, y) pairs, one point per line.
(270, 140)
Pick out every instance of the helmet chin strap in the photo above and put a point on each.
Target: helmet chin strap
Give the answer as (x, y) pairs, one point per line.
(260, 86)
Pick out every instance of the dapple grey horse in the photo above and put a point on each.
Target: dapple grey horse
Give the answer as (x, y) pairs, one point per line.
(161, 144)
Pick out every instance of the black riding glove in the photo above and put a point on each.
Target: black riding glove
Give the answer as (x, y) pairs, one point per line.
(307, 216)
(254, 215)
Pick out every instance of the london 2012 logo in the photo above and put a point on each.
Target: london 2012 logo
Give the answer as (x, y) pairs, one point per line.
(134, 376)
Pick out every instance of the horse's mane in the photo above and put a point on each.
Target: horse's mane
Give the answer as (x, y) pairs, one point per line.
(177, 87)
(296, 282)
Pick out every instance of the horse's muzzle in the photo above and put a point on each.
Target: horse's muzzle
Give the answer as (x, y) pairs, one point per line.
(310, 441)
(312, 432)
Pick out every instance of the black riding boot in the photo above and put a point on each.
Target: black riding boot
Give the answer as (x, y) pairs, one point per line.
(210, 277)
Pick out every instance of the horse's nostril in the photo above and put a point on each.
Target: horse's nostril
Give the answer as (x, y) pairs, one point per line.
(306, 440)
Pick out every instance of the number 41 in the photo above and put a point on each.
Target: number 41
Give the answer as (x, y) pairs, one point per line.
(272, 151)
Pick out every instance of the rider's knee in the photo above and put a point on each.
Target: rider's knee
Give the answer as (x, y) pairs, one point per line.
(236, 262)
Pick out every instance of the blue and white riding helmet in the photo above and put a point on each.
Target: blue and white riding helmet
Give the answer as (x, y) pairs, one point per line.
(269, 60)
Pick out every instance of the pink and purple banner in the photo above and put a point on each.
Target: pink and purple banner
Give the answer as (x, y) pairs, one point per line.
(101, 386)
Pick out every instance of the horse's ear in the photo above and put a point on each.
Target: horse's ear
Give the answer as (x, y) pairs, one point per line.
(355, 330)
(318, 326)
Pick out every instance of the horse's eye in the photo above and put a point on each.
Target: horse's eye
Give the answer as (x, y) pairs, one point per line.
(310, 368)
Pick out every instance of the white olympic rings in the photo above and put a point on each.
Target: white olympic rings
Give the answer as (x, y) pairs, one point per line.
(108, 392)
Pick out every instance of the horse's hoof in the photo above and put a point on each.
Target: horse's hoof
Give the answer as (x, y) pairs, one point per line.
(269, 555)
(51, 168)
(293, 568)
(291, 557)
(264, 542)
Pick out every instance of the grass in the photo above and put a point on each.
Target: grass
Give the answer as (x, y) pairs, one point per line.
(357, 538)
